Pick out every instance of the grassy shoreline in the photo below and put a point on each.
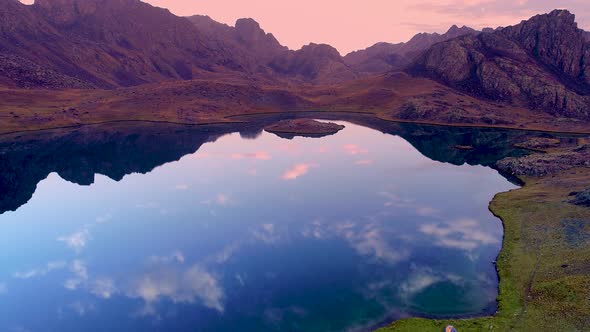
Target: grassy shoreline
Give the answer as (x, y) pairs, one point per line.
(544, 277)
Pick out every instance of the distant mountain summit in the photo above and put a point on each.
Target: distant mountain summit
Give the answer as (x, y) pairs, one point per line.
(383, 57)
(543, 62)
(319, 63)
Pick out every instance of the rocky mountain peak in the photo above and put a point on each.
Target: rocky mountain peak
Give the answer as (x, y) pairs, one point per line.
(454, 31)
(543, 62)
(248, 25)
(321, 51)
(251, 35)
(555, 40)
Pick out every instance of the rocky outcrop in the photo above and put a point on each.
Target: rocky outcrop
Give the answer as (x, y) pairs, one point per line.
(581, 198)
(538, 165)
(304, 127)
(539, 63)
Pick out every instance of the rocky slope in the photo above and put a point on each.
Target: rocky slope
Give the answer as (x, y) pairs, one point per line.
(61, 44)
(383, 57)
(247, 40)
(543, 63)
(317, 63)
(103, 44)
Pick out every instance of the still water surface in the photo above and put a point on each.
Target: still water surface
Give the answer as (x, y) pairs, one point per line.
(340, 233)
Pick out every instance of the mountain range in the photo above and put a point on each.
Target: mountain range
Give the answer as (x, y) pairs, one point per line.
(102, 54)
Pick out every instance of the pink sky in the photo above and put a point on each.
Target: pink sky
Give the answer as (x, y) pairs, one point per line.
(351, 24)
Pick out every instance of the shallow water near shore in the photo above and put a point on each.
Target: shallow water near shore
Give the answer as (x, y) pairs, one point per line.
(222, 231)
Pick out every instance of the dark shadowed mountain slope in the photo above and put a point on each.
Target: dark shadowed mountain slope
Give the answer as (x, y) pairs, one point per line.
(62, 44)
(543, 63)
(102, 43)
(317, 63)
(382, 57)
(247, 40)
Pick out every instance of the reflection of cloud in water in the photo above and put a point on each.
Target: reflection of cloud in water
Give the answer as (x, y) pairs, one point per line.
(266, 233)
(464, 234)
(38, 272)
(261, 155)
(221, 199)
(78, 268)
(426, 211)
(148, 205)
(396, 201)
(82, 308)
(226, 253)
(365, 162)
(76, 241)
(79, 239)
(354, 149)
(367, 239)
(323, 149)
(370, 242)
(176, 256)
(103, 219)
(297, 171)
(103, 287)
(179, 285)
(423, 277)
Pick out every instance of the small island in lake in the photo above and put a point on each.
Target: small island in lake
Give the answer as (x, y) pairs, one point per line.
(303, 127)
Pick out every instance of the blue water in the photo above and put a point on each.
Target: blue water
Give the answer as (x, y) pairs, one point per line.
(340, 233)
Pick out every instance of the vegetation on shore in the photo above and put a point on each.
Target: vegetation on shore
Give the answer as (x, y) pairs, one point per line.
(544, 265)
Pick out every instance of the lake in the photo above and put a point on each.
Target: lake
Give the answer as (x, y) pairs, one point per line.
(228, 228)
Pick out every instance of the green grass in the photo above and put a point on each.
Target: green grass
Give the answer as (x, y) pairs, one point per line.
(544, 280)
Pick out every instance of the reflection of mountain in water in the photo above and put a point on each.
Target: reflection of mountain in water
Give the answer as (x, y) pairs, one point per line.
(117, 150)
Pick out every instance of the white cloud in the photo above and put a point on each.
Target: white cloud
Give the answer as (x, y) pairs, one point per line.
(3, 288)
(417, 283)
(260, 155)
(80, 271)
(266, 233)
(221, 200)
(104, 219)
(464, 234)
(104, 288)
(369, 239)
(38, 272)
(370, 242)
(176, 256)
(226, 253)
(180, 286)
(296, 171)
(76, 241)
(82, 308)
(420, 278)
(354, 149)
